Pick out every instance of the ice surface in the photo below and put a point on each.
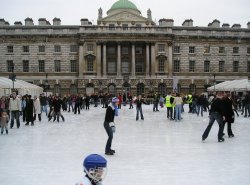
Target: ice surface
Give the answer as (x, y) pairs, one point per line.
(155, 151)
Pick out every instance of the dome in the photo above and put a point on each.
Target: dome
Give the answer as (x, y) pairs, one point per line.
(123, 4)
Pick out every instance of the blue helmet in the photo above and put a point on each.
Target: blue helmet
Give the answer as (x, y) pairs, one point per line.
(115, 99)
(95, 166)
(94, 161)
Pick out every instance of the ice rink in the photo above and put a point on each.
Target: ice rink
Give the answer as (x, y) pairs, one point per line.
(155, 151)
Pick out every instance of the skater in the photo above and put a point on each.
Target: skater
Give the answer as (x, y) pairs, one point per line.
(228, 112)
(37, 108)
(178, 104)
(216, 113)
(156, 102)
(4, 119)
(29, 111)
(109, 123)
(95, 167)
(130, 98)
(14, 108)
(138, 103)
(169, 104)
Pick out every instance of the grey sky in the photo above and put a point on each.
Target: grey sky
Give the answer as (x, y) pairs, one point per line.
(70, 12)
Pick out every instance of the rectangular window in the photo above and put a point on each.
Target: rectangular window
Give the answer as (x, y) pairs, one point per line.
(235, 50)
(176, 49)
(73, 66)
(111, 66)
(236, 66)
(41, 49)
(138, 26)
(124, 50)
(90, 64)
(206, 66)
(57, 66)
(41, 66)
(191, 49)
(248, 66)
(207, 49)
(25, 66)
(221, 66)
(161, 47)
(73, 48)
(26, 49)
(138, 50)
(161, 65)
(191, 66)
(125, 26)
(111, 27)
(248, 50)
(10, 66)
(57, 48)
(111, 50)
(139, 66)
(10, 49)
(176, 66)
(125, 66)
(222, 50)
(90, 47)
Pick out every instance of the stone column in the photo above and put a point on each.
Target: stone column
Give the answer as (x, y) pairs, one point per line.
(98, 59)
(153, 63)
(104, 72)
(133, 60)
(119, 59)
(147, 59)
(170, 59)
(81, 59)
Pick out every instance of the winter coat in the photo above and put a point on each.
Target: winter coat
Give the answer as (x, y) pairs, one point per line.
(14, 104)
(227, 110)
(29, 110)
(37, 106)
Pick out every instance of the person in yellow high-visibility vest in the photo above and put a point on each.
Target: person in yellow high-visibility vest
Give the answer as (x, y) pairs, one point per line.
(169, 104)
(189, 101)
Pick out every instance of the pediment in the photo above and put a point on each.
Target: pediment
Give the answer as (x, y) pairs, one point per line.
(124, 16)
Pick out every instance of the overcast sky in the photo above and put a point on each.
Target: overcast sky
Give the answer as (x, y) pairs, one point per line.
(71, 11)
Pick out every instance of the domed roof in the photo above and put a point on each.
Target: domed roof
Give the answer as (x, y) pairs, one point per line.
(123, 4)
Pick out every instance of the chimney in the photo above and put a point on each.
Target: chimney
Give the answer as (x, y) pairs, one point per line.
(42, 22)
(18, 23)
(84, 22)
(236, 26)
(215, 23)
(225, 25)
(56, 22)
(248, 25)
(29, 22)
(188, 23)
(2, 22)
(166, 22)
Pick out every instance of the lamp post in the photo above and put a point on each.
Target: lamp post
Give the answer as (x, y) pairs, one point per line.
(13, 77)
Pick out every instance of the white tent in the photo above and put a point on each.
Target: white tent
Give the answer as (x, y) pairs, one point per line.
(23, 87)
(233, 85)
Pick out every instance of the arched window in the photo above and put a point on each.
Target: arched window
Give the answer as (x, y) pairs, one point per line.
(126, 88)
(192, 88)
(90, 89)
(57, 90)
(73, 89)
(112, 89)
(162, 90)
(140, 88)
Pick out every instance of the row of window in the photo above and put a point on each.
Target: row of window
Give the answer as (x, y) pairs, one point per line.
(41, 66)
(207, 66)
(206, 49)
(41, 49)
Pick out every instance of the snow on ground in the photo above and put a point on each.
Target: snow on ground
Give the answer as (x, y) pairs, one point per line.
(154, 151)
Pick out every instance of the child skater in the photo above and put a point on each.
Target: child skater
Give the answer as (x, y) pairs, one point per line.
(4, 119)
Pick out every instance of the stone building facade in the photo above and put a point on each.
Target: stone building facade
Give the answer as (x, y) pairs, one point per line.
(124, 52)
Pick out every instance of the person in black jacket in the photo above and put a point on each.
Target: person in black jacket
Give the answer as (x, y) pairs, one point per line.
(216, 113)
(109, 119)
(139, 101)
(228, 112)
(29, 111)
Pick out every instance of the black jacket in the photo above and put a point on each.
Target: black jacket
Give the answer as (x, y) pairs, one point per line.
(110, 114)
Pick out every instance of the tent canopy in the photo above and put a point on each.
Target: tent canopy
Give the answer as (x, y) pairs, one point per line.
(23, 87)
(233, 85)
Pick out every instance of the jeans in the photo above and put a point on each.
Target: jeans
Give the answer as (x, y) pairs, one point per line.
(214, 116)
(15, 114)
(44, 109)
(199, 107)
(155, 108)
(247, 109)
(139, 109)
(110, 136)
(178, 112)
